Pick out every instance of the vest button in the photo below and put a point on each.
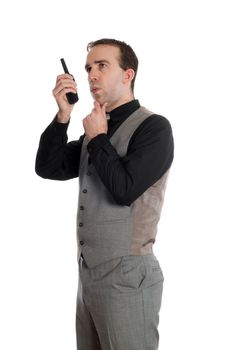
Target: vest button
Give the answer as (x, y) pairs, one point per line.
(81, 224)
(81, 207)
(85, 191)
(81, 242)
(89, 173)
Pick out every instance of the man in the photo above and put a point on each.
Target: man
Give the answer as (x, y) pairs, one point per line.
(122, 161)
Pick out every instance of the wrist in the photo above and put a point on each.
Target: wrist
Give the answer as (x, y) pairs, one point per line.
(63, 117)
(94, 135)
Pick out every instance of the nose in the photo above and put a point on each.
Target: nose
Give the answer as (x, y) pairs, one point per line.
(92, 79)
(93, 75)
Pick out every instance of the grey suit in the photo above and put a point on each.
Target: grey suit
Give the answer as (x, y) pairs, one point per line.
(120, 280)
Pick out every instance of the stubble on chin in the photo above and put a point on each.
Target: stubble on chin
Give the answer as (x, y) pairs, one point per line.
(100, 100)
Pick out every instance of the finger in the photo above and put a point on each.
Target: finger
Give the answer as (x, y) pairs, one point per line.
(97, 105)
(84, 121)
(66, 82)
(63, 92)
(104, 107)
(65, 85)
(64, 76)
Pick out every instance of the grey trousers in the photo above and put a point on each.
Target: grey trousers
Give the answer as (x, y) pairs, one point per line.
(118, 304)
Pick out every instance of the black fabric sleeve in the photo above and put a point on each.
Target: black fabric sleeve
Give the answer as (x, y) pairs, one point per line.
(149, 156)
(56, 158)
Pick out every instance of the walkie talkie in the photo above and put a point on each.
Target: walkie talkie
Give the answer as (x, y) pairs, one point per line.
(71, 96)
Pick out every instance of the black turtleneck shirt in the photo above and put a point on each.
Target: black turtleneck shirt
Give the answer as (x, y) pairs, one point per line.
(149, 154)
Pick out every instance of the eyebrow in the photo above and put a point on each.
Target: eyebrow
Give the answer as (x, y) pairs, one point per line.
(96, 62)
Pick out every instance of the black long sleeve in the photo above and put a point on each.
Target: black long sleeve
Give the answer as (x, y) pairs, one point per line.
(56, 158)
(149, 155)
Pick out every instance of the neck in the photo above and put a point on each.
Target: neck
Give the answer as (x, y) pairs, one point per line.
(119, 103)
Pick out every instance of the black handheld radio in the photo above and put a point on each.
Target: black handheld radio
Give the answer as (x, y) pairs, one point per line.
(71, 96)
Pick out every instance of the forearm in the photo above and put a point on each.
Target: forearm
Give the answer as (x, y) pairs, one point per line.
(110, 169)
(149, 156)
(56, 159)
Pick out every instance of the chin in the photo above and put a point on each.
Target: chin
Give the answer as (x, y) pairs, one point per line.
(99, 100)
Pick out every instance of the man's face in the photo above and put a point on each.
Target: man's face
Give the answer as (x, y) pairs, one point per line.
(106, 78)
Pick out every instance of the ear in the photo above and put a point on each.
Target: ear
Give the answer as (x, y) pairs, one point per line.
(128, 75)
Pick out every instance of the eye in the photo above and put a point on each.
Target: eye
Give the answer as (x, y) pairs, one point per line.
(88, 69)
(102, 65)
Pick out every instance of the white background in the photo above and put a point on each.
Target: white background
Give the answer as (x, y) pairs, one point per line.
(186, 73)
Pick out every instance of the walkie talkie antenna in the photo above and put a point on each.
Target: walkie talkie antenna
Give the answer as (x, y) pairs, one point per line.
(64, 66)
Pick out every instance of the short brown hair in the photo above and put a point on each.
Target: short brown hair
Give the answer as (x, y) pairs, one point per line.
(128, 58)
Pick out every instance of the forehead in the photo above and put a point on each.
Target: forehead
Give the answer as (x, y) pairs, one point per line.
(103, 52)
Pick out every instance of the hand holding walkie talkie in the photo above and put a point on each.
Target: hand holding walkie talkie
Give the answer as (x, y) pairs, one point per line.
(71, 96)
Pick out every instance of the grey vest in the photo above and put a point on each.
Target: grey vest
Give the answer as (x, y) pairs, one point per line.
(106, 230)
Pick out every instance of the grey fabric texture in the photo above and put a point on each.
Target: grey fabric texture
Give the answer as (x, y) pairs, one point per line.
(106, 230)
(118, 304)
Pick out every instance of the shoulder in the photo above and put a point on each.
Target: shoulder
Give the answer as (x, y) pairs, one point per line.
(155, 131)
(154, 123)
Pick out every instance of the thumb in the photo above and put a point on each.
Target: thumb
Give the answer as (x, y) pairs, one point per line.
(96, 105)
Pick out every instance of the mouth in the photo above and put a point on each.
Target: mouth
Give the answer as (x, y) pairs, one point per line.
(95, 90)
